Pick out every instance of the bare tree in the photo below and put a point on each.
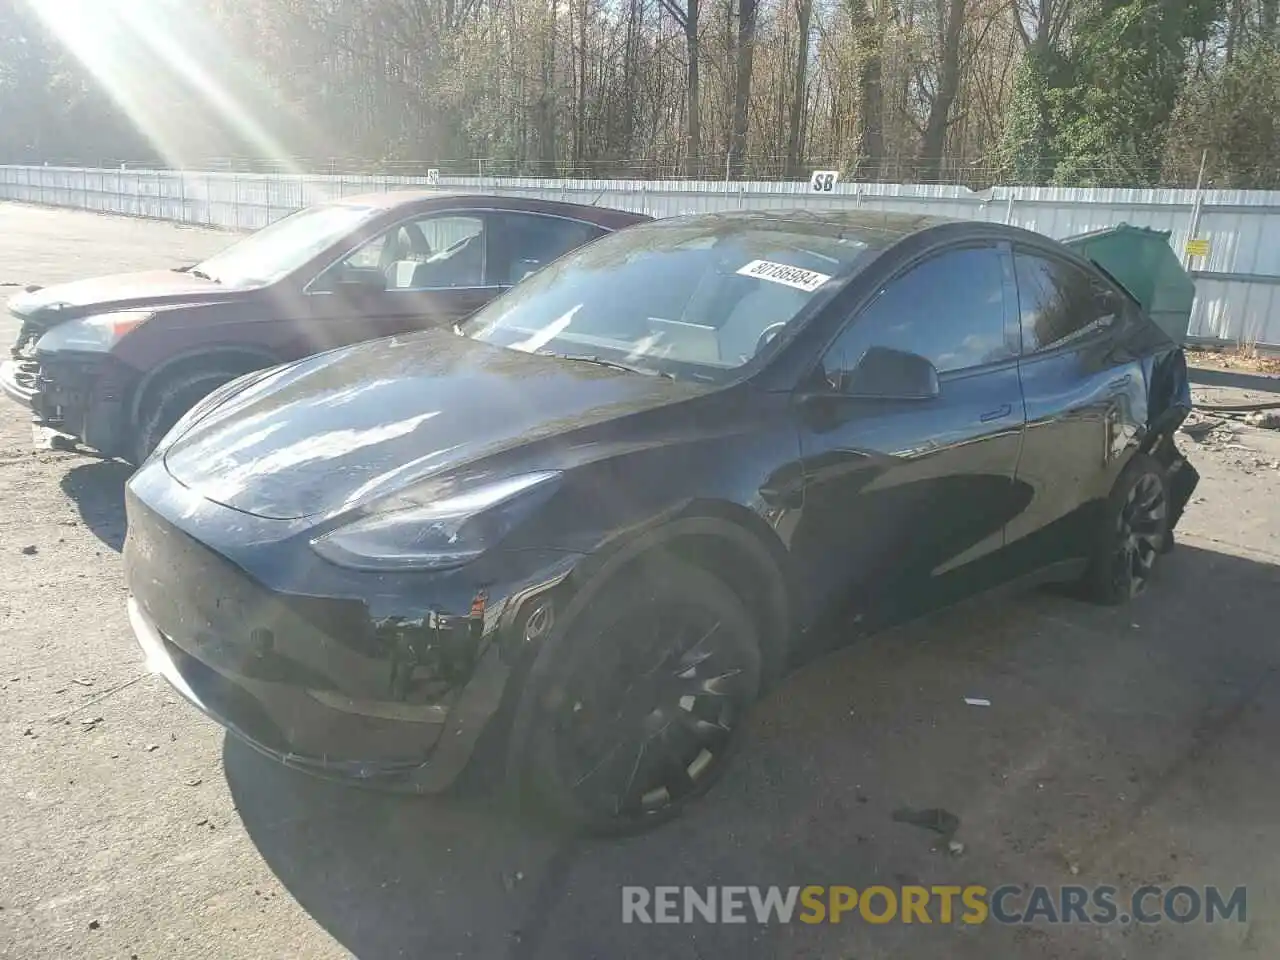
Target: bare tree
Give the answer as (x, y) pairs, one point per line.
(686, 18)
(799, 89)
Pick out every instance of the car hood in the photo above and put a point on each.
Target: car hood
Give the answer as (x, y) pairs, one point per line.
(48, 306)
(342, 428)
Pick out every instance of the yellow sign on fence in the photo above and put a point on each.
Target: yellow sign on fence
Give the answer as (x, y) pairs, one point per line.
(1198, 247)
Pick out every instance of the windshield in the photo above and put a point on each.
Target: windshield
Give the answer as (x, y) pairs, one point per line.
(282, 247)
(698, 299)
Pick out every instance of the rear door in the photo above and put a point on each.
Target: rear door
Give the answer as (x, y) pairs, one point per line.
(1085, 399)
(524, 243)
(905, 501)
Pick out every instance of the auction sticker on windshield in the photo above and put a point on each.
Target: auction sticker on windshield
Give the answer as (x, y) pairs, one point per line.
(784, 273)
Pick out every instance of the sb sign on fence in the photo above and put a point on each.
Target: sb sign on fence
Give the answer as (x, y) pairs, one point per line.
(824, 181)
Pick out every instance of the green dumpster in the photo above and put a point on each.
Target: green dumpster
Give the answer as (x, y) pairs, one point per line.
(1142, 260)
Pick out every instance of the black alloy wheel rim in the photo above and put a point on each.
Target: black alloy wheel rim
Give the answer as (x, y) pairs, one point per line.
(1140, 533)
(648, 719)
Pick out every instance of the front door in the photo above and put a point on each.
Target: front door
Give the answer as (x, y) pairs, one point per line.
(422, 273)
(905, 501)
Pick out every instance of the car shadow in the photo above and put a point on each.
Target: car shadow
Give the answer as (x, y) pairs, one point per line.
(97, 490)
(1095, 719)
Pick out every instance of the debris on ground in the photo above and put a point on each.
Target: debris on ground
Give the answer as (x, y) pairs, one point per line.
(193, 782)
(83, 681)
(151, 747)
(1198, 427)
(1266, 419)
(1237, 359)
(94, 924)
(30, 550)
(955, 848)
(977, 701)
(509, 881)
(942, 822)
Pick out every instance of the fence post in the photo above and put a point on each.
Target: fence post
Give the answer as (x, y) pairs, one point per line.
(1008, 208)
(1194, 225)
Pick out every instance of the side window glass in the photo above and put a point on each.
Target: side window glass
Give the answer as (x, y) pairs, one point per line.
(949, 309)
(442, 252)
(531, 241)
(432, 253)
(1057, 302)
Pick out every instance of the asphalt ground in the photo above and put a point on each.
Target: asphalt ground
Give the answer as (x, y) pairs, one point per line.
(1121, 747)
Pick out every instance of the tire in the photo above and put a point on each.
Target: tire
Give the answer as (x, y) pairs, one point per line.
(1135, 533)
(171, 400)
(636, 709)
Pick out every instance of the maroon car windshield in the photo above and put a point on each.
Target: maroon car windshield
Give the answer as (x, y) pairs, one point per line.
(277, 250)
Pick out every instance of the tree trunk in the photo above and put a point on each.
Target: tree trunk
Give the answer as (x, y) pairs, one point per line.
(580, 129)
(804, 9)
(546, 100)
(742, 87)
(627, 134)
(870, 90)
(693, 161)
(933, 142)
(1270, 15)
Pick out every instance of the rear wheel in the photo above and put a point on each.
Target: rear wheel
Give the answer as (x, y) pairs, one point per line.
(640, 705)
(173, 398)
(1136, 532)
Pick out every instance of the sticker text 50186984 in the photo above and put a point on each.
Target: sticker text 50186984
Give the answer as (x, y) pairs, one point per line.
(784, 273)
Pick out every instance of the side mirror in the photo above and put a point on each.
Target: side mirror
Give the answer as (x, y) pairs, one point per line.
(887, 374)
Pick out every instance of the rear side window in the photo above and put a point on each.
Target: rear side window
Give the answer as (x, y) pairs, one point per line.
(532, 241)
(1057, 302)
(949, 309)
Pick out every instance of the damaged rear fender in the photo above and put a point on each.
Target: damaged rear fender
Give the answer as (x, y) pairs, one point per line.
(1168, 404)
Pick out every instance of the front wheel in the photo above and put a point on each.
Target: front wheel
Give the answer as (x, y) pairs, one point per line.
(1135, 533)
(640, 704)
(170, 401)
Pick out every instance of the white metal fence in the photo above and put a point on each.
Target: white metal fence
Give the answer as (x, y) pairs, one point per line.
(1237, 282)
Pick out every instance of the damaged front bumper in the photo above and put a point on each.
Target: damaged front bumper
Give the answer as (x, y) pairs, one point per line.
(347, 675)
(80, 396)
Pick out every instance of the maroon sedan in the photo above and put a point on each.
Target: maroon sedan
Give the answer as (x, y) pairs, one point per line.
(113, 362)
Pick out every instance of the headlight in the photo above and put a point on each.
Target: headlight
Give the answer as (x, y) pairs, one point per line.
(440, 534)
(96, 334)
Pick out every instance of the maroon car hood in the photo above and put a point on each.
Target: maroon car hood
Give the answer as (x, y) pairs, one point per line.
(121, 291)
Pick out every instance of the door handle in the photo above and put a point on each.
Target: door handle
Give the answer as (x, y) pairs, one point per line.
(998, 413)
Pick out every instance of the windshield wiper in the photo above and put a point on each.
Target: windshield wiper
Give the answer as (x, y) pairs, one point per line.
(600, 362)
(202, 275)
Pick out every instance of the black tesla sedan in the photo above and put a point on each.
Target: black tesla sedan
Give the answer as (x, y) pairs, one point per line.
(589, 525)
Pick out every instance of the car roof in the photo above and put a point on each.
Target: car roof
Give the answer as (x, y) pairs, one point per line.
(876, 228)
(432, 200)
